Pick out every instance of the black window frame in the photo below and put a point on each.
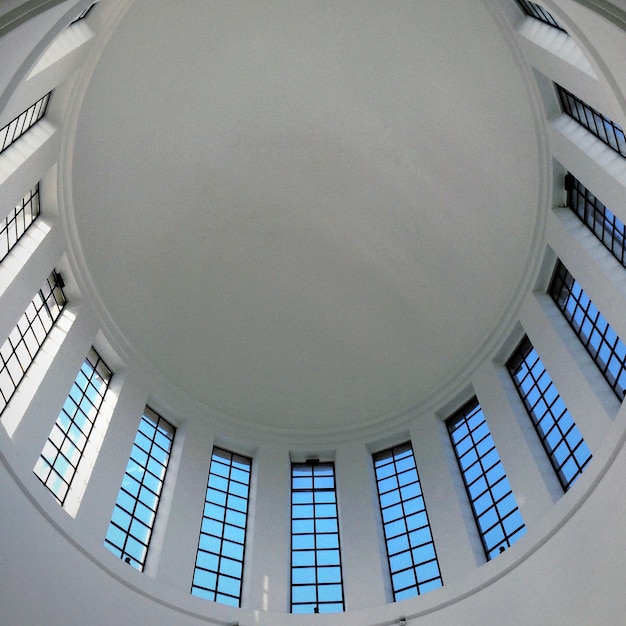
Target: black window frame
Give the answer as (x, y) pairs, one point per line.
(138, 499)
(19, 125)
(607, 227)
(483, 501)
(14, 226)
(405, 521)
(24, 342)
(594, 121)
(70, 434)
(564, 290)
(560, 437)
(321, 496)
(222, 540)
(539, 13)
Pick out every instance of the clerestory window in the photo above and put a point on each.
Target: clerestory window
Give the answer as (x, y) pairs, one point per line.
(61, 455)
(597, 218)
(83, 14)
(412, 559)
(498, 519)
(601, 126)
(132, 521)
(539, 13)
(19, 350)
(218, 574)
(10, 133)
(18, 221)
(561, 439)
(606, 349)
(316, 582)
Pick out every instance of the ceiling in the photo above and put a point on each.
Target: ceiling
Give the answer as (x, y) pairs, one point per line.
(306, 215)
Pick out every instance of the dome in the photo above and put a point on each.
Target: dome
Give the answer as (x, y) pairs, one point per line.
(301, 251)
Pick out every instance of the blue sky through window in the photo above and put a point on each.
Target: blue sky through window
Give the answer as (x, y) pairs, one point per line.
(316, 582)
(497, 515)
(562, 441)
(66, 444)
(597, 336)
(413, 562)
(132, 521)
(218, 574)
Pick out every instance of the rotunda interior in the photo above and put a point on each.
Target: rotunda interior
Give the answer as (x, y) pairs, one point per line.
(312, 312)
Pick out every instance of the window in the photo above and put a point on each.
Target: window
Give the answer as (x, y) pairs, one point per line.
(410, 549)
(602, 127)
(219, 562)
(83, 14)
(316, 585)
(597, 218)
(557, 431)
(20, 349)
(17, 222)
(134, 513)
(539, 13)
(17, 127)
(600, 340)
(497, 516)
(66, 444)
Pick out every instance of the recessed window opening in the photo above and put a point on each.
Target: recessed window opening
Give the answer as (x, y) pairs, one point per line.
(23, 122)
(602, 127)
(17, 222)
(25, 340)
(316, 582)
(597, 218)
(132, 521)
(539, 13)
(599, 339)
(218, 573)
(411, 552)
(83, 14)
(561, 439)
(64, 449)
(496, 513)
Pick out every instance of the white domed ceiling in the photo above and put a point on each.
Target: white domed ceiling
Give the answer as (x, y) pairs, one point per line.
(306, 214)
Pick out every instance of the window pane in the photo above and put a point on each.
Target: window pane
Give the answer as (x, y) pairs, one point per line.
(23, 122)
(607, 228)
(316, 585)
(493, 502)
(600, 340)
(138, 498)
(69, 436)
(402, 508)
(560, 437)
(23, 343)
(602, 127)
(539, 13)
(218, 576)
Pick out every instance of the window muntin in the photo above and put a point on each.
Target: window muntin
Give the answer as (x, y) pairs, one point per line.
(602, 127)
(218, 572)
(497, 515)
(316, 583)
(413, 564)
(63, 451)
(539, 13)
(25, 340)
(83, 14)
(18, 221)
(23, 122)
(561, 439)
(130, 529)
(599, 339)
(597, 218)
